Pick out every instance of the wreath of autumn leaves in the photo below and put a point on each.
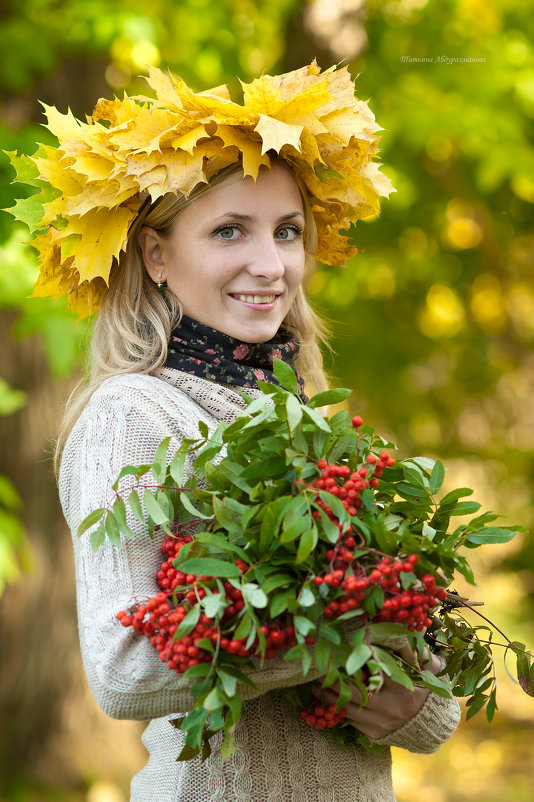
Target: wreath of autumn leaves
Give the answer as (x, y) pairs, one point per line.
(91, 186)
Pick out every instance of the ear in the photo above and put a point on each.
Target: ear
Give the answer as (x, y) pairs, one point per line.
(151, 245)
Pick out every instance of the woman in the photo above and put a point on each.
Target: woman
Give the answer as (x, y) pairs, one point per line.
(207, 290)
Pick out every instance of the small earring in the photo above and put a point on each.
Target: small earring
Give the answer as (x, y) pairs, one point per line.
(161, 284)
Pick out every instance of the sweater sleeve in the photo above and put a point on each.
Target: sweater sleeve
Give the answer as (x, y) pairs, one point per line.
(123, 424)
(434, 724)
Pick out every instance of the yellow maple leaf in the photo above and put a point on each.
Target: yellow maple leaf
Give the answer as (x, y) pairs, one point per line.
(251, 150)
(261, 96)
(341, 90)
(184, 141)
(103, 236)
(63, 126)
(217, 159)
(155, 182)
(275, 134)
(309, 148)
(93, 166)
(116, 112)
(333, 249)
(144, 131)
(305, 107)
(85, 297)
(100, 195)
(218, 91)
(164, 86)
(184, 170)
(52, 169)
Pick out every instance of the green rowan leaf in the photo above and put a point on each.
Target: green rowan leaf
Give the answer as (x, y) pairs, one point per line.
(490, 535)
(307, 543)
(285, 375)
(294, 412)
(90, 520)
(437, 476)
(357, 658)
(112, 529)
(254, 595)
(209, 566)
(188, 623)
(135, 505)
(329, 397)
(98, 537)
(159, 465)
(158, 515)
(454, 495)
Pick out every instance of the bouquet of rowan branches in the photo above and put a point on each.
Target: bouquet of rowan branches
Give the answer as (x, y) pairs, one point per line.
(299, 534)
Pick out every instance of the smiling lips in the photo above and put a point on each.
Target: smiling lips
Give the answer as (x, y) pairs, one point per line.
(255, 299)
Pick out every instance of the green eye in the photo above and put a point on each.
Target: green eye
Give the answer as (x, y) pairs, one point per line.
(288, 233)
(227, 232)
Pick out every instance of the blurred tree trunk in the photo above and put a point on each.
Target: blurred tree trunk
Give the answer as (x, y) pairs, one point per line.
(38, 612)
(51, 730)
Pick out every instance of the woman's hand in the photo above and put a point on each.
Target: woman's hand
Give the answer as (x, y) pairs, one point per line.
(390, 707)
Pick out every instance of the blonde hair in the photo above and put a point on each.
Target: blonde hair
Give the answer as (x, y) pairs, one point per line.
(134, 322)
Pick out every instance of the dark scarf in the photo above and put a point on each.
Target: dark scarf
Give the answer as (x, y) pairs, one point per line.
(203, 351)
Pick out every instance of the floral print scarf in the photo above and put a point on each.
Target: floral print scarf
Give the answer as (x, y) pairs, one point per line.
(202, 351)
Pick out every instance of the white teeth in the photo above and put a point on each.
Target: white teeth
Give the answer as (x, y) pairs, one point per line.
(256, 299)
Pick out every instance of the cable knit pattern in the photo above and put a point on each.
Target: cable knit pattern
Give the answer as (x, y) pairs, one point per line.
(278, 757)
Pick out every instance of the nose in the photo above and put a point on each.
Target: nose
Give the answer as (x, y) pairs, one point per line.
(266, 259)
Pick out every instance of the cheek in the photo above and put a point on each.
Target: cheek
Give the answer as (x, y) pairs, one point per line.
(297, 275)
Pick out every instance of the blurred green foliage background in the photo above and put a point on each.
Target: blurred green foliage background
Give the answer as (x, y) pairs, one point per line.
(432, 325)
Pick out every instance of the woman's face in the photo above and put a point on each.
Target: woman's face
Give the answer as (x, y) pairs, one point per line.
(235, 257)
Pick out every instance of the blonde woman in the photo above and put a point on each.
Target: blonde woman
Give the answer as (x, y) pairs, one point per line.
(206, 289)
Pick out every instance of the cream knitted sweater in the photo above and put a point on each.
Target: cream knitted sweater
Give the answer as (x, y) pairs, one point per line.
(278, 757)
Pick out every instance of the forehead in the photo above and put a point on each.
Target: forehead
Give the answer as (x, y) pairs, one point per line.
(274, 193)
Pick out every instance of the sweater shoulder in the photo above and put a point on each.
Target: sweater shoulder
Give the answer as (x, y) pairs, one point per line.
(132, 389)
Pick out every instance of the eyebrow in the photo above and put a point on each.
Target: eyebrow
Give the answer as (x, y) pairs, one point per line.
(251, 219)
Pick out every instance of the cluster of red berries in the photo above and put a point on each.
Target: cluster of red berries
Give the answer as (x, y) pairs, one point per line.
(347, 485)
(159, 617)
(407, 606)
(322, 717)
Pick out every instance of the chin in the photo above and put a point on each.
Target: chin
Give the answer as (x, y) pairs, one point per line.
(259, 334)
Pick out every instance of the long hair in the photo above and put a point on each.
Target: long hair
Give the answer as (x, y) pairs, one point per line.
(133, 325)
